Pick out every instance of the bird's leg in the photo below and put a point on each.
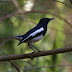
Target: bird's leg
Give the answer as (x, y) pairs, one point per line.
(31, 47)
(32, 52)
(34, 47)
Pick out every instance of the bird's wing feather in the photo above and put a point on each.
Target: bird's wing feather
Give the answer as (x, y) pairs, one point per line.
(31, 34)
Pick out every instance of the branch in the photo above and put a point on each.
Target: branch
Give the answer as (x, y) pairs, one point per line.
(71, 1)
(33, 11)
(40, 67)
(11, 61)
(50, 14)
(9, 15)
(35, 54)
(50, 66)
(63, 3)
(17, 5)
(5, 1)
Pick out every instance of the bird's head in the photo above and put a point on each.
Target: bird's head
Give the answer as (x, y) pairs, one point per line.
(45, 20)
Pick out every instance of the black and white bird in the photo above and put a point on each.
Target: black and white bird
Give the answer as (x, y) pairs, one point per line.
(33, 35)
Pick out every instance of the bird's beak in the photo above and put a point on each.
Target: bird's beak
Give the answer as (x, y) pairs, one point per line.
(51, 18)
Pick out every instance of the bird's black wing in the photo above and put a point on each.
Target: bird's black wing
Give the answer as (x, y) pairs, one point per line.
(31, 34)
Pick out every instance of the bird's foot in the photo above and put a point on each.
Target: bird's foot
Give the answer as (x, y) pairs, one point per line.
(39, 51)
(33, 51)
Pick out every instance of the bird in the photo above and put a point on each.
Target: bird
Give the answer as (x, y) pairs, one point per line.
(33, 35)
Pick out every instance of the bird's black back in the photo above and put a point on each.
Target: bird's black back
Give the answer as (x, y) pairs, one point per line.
(42, 24)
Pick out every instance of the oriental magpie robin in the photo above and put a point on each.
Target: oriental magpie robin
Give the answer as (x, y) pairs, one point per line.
(35, 34)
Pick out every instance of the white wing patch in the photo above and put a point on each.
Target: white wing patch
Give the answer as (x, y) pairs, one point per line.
(34, 33)
(37, 31)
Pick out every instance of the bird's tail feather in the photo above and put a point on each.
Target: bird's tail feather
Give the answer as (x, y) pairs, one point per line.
(16, 37)
(19, 43)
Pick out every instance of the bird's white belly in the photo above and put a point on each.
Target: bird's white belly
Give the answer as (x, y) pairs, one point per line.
(37, 38)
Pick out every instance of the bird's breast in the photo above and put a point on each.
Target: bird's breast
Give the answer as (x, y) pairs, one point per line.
(37, 38)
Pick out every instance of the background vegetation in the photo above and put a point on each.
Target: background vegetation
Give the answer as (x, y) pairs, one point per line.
(19, 16)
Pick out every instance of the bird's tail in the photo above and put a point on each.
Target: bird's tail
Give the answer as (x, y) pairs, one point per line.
(19, 43)
(16, 37)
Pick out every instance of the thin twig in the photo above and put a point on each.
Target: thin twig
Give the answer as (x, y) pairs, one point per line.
(71, 1)
(50, 66)
(63, 3)
(35, 54)
(16, 5)
(9, 15)
(45, 12)
(33, 11)
(11, 61)
(5, 1)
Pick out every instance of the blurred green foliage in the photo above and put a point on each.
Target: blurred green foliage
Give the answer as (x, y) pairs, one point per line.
(21, 23)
